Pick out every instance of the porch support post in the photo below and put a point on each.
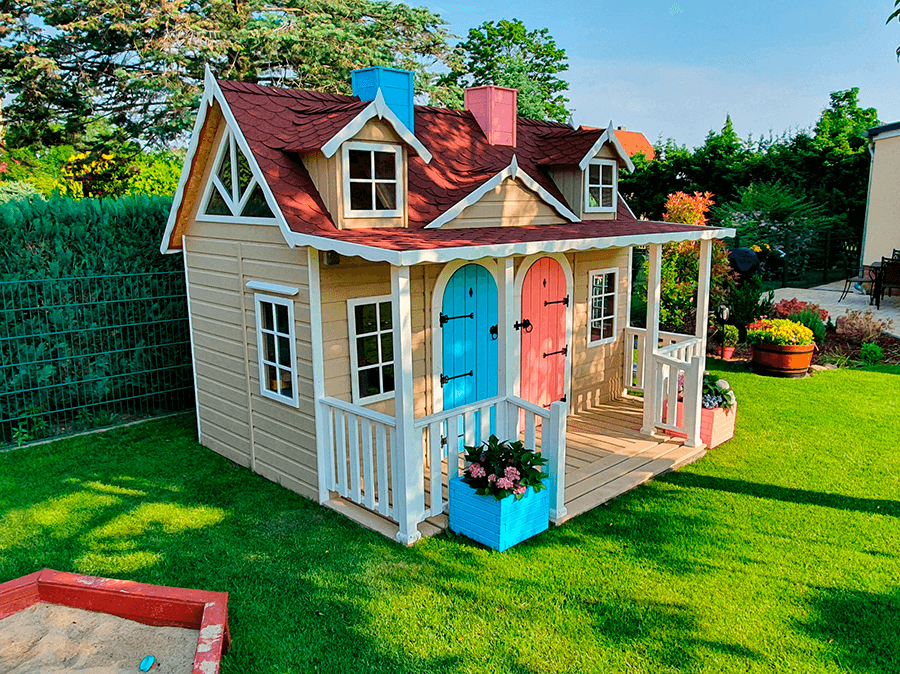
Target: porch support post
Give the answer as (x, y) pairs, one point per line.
(324, 464)
(507, 347)
(651, 343)
(553, 448)
(407, 455)
(693, 390)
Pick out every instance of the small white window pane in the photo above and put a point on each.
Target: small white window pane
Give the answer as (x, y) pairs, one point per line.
(387, 347)
(369, 384)
(284, 351)
(217, 205)
(365, 319)
(607, 328)
(361, 196)
(271, 382)
(360, 164)
(388, 377)
(594, 197)
(367, 350)
(593, 174)
(385, 166)
(610, 306)
(386, 315)
(607, 174)
(596, 311)
(285, 383)
(385, 196)
(607, 197)
(269, 341)
(268, 321)
(596, 333)
(281, 315)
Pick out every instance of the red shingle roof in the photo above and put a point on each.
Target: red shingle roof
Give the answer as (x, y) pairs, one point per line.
(278, 123)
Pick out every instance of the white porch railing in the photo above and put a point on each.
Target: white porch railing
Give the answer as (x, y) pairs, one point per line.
(635, 346)
(358, 454)
(445, 434)
(679, 373)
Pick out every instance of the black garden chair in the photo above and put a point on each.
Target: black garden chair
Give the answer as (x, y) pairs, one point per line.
(853, 277)
(889, 278)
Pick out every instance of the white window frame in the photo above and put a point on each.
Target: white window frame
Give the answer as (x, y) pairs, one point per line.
(587, 185)
(354, 360)
(231, 193)
(398, 182)
(590, 308)
(258, 299)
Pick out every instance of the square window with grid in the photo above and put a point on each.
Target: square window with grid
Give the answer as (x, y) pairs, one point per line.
(275, 344)
(600, 192)
(371, 348)
(602, 323)
(371, 182)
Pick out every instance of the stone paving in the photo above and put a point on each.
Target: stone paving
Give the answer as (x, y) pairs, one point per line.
(827, 297)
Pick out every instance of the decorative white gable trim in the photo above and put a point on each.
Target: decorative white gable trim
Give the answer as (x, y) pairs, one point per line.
(212, 92)
(608, 136)
(512, 171)
(377, 108)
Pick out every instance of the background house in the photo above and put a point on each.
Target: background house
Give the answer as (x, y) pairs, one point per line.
(881, 235)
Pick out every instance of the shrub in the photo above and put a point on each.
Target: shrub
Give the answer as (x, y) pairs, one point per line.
(730, 335)
(778, 331)
(856, 326)
(16, 189)
(792, 307)
(871, 354)
(748, 302)
(687, 209)
(812, 319)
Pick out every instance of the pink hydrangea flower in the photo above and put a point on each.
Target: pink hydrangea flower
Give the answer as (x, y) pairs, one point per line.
(521, 489)
(504, 483)
(476, 470)
(492, 478)
(511, 473)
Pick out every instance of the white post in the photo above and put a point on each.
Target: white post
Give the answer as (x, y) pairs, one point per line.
(651, 339)
(693, 389)
(323, 448)
(507, 346)
(408, 457)
(553, 448)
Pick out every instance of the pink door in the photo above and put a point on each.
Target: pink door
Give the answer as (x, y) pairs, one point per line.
(544, 349)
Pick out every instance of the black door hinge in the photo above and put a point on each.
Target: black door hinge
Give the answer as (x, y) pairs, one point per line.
(564, 300)
(564, 351)
(444, 318)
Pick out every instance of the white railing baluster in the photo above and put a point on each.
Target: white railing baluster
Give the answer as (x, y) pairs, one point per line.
(368, 477)
(341, 453)
(384, 505)
(484, 432)
(330, 480)
(353, 451)
(469, 428)
(529, 430)
(436, 449)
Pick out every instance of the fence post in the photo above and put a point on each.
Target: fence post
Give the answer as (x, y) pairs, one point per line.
(826, 258)
(693, 401)
(554, 448)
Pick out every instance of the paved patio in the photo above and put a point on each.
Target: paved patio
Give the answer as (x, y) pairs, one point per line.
(827, 296)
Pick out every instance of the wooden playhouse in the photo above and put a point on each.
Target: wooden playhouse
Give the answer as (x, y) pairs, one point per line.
(373, 284)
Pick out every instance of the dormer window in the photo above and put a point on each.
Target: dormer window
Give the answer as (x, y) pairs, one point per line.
(372, 180)
(600, 186)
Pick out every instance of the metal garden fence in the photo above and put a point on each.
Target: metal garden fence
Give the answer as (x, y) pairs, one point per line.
(79, 353)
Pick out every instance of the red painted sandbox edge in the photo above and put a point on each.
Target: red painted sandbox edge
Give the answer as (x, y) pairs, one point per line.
(155, 605)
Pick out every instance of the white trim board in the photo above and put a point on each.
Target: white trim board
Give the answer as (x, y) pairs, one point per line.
(512, 171)
(272, 288)
(377, 108)
(608, 136)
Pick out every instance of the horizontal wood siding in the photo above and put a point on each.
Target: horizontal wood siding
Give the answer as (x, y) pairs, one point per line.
(597, 370)
(275, 439)
(509, 204)
(570, 181)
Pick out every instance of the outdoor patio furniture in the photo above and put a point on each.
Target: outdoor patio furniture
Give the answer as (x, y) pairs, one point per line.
(853, 277)
(887, 279)
(896, 254)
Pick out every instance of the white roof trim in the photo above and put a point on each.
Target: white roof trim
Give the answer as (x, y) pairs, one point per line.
(411, 257)
(884, 135)
(512, 171)
(377, 108)
(609, 136)
(211, 92)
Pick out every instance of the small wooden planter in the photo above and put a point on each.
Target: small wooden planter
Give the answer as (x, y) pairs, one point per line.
(789, 361)
(716, 425)
(497, 524)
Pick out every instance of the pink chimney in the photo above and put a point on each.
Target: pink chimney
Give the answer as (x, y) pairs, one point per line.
(495, 110)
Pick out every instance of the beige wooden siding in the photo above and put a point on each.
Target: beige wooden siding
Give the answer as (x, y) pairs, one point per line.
(883, 209)
(510, 204)
(356, 278)
(597, 370)
(275, 439)
(570, 181)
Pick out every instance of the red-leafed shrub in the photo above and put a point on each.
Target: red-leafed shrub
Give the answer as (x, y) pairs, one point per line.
(791, 307)
(857, 326)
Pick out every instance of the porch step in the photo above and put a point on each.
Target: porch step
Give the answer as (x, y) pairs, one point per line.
(375, 522)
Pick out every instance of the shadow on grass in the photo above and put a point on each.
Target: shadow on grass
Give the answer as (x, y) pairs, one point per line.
(787, 494)
(860, 630)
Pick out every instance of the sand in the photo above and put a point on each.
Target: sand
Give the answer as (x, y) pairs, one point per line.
(51, 639)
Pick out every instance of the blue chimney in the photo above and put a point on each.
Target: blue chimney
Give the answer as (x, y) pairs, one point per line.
(396, 88)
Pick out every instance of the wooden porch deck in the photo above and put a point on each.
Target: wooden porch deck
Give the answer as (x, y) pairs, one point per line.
(606, 456)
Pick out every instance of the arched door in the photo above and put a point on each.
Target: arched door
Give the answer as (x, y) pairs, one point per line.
(544, 350)
(468, 323)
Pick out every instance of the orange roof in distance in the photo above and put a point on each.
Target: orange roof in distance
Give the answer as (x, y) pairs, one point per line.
(632, 141)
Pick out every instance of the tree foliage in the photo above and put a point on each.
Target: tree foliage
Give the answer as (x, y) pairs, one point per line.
(140, 64)
(507, 54)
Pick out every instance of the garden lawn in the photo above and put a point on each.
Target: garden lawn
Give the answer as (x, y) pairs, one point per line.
(778, 552)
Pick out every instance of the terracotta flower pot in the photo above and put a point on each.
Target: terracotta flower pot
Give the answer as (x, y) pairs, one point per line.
(782, 360)
(725, 352)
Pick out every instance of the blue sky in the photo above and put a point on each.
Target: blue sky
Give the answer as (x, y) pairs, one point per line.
(770, 64)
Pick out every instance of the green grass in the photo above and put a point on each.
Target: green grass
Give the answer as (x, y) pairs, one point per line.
(778, 552)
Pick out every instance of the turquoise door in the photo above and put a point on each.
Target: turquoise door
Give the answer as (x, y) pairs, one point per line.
(469, 338)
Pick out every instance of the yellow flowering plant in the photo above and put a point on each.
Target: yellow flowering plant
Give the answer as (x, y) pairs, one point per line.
(778, 331)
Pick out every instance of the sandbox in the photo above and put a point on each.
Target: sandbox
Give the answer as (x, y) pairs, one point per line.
(41, 596)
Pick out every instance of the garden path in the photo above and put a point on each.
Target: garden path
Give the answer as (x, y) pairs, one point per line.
(827, 297)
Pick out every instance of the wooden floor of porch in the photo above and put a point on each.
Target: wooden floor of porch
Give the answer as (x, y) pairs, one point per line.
(606, 456)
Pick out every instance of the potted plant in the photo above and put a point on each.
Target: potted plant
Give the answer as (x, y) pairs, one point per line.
(500, 499)
(730, 336)
(717, 418)
(781, 348)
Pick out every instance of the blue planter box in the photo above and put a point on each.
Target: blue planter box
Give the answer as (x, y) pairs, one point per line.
(497, 524)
